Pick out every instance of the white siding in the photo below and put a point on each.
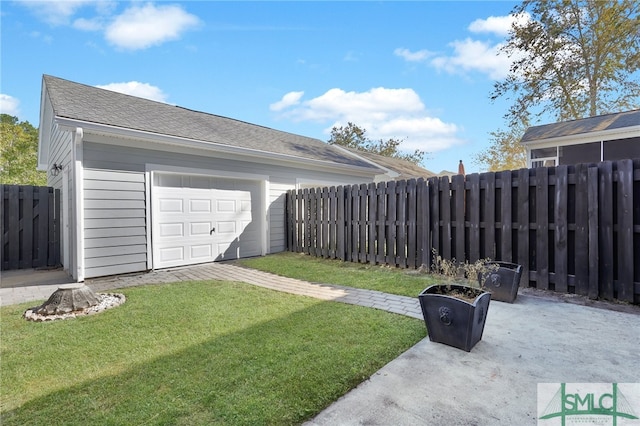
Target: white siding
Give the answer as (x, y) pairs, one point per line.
(103, 153)
(114, 222)
(277, 210)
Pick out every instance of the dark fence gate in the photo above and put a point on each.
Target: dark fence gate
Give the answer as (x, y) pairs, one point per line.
(30, 227)
(575, 229)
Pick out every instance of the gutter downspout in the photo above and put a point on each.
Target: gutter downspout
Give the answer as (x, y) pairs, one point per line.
(78, 202)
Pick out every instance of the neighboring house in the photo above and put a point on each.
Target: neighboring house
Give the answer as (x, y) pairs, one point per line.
(398, 169)
(593, 139)
(148, 185)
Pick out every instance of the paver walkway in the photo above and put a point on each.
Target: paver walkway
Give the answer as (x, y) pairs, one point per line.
(228, 272)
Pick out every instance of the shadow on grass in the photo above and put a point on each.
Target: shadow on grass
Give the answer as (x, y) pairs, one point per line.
(282, 371)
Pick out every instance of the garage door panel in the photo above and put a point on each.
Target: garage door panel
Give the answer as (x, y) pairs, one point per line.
(199, 229)
(199, 206)
(171, 205)
(225, 228)
(203, 251)
(187, 208)
(225, 206)
(171, 230)
(172, 254)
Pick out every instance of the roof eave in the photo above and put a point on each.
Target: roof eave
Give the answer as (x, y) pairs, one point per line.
(69, 124)
(597, 136)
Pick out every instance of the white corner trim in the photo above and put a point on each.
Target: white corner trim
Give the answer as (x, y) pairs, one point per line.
(78, 197)
(266, 217)
(148, 177)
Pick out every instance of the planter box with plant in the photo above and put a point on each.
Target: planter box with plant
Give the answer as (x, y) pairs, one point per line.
(503, 281)
(456, 310)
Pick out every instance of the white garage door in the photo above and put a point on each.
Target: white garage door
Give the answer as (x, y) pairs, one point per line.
(199, 219)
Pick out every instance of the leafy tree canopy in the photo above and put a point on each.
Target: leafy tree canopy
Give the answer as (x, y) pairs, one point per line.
(352, 136)
(572, 59)
(19, 153)
(505, 152)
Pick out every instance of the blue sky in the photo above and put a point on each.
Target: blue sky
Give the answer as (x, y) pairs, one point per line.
(418, 71)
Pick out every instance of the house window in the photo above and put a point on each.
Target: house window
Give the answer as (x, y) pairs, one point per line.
(621, 149)
(583, 153)
(544, 157)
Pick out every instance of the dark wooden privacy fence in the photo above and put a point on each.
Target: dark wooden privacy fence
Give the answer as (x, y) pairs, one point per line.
(30, 227)
(575, 229)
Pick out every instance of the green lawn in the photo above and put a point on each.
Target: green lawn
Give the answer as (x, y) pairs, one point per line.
(194, 353)
(404, 282)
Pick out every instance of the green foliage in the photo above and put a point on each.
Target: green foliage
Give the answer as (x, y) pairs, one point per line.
(505, 152)
(573, 59)
(466, 273)
(196, 353)
(19, 153)
(352, 136)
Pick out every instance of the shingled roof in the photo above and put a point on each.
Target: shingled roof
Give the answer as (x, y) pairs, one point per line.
(404, 168)
(617, 121)
(85, 103)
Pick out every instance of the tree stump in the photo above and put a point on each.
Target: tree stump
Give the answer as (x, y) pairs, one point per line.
(68, 298)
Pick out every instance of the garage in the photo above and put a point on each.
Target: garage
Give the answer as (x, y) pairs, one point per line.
(198, 219)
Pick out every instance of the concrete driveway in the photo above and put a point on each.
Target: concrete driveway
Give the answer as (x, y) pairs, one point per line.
(536, 340)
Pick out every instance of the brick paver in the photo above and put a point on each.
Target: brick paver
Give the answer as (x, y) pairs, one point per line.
(402, 305)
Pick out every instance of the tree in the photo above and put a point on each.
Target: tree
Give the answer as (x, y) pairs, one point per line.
(572, 59)
(19, 153)
(505, 152)
(352, 136)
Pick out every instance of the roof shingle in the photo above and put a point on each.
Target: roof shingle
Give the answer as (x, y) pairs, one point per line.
(91, 104)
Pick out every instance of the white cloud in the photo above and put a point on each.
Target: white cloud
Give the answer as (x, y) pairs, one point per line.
(482, 56)
(135, 88)
(55, 12)
(290, 99)
(9, 105)
(499, 25)
(84, 24)
(140, 27)
(410, 56)
(384, 113)
(475, 55)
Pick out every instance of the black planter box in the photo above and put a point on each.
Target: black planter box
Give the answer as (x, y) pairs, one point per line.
(504, 282)
(454, 322)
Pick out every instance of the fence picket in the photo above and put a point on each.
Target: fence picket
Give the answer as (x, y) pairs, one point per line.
(458, 192)
(581, 238)
(625, 230)
(473, 203)
(488, 220)
(445, 218)
(506, 229)
(593, 211)
(605, 229)
(560, 229)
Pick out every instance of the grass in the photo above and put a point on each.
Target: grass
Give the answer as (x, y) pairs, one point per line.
(373, 277)
(194, 353)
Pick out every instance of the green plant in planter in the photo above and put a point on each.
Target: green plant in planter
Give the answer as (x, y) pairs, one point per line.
(456, 310)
